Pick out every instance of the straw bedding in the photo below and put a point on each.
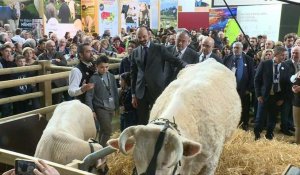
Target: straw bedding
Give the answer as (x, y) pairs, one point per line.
(241, 156)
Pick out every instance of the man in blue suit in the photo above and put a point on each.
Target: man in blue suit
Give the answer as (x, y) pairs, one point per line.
(243, 67)
(271, 83)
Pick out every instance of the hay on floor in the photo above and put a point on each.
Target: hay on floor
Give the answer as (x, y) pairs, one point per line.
(241, 156)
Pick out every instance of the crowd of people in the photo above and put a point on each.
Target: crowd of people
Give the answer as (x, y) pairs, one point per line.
(266, 72)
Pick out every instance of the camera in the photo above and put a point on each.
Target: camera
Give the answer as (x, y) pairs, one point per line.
(24, 167)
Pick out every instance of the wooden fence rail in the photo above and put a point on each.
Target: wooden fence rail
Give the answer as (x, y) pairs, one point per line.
(32, 80)
(44, 79)
(20, 69)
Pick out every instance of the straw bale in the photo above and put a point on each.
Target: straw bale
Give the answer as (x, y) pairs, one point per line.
(241, 156)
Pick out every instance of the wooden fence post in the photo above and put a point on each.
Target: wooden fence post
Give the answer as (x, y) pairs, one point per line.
(45, 86)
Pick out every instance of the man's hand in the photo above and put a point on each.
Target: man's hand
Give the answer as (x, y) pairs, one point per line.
(10, 172)
(86, 87)
(260, 99)
(279, 102)
(134, 102)
(94, 115)
(296, 89)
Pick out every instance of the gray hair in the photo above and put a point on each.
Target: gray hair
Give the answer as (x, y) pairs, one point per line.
(279, 50)
(3, 35)
(237, 44)
(30, 42)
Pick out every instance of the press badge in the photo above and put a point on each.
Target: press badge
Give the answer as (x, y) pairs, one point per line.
(109, 104)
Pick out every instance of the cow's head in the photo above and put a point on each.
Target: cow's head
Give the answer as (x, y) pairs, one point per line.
(144, 138)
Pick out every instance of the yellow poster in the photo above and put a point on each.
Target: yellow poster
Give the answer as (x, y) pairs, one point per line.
(89, 15)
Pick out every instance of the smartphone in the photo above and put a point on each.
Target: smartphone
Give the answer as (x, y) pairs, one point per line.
(24, 167)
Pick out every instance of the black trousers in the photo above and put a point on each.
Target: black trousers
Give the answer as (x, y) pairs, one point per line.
(245, 100)
(143, 110)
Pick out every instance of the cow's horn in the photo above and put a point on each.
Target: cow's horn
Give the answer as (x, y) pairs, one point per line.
(128, 132)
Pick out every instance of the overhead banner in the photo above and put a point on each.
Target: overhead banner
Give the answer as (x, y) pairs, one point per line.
(154, 20)
(193, 20)
(25, 15)
(218, 18)
(202, 5)
(256, 20)
(220, 3)
(194, 5)
(168, 13)
(129, 14)
(108, 16)
(144, 13)
(89, 15)
(231, 30)
(62, 17)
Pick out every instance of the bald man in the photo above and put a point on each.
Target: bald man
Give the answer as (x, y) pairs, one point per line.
(287, 124)
(207, 46)
(148, 73)
(181, 51)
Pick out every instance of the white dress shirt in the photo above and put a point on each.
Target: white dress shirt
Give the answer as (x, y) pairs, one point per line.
(74, 81)
(202, 58)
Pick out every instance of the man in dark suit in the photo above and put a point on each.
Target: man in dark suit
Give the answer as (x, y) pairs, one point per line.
(270, 82)
(181, 51)
(243, 67)
(206, 50)
(148, 73)
(287, 114)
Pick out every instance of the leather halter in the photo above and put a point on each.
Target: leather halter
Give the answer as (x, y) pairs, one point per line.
(91, 141)
(159, 143)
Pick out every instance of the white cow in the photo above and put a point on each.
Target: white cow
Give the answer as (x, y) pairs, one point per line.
(206, 108)
(65, 137)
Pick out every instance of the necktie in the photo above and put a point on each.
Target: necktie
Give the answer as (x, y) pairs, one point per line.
(178, 54)
(276, 81)
(239, 68)
(290, 53)
(145, 50)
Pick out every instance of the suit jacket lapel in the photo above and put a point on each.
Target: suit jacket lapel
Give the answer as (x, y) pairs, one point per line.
(272, 69)
(245, 65)
(140, 56)
(149, 56)
(174, 50)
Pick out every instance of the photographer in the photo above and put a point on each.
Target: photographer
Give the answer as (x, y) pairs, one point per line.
(42, 169)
